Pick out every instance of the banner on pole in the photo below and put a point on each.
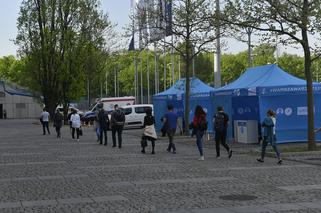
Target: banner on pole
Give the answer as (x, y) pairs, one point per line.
(168, 17)
(132, 44)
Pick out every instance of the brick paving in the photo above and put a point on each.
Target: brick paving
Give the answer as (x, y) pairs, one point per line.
(44, 174)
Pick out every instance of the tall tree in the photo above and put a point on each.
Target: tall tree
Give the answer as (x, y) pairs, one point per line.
(50, 37)
(294, 21)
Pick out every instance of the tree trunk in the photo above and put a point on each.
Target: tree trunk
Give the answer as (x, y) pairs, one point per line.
(187, 94)
(50, 104)
(310, 98)
(187, 67)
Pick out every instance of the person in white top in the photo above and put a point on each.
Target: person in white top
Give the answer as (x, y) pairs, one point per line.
(44, 118)
(75, 124)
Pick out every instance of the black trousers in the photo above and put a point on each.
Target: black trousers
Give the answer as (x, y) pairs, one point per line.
(58, 132)
(119, 130)
(103, 131)
(45, 125)
(144, 142)
(73, 133)
(220, 138)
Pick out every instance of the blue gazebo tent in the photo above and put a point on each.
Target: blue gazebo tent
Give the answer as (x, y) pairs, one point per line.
(175, 95)
(269, 87)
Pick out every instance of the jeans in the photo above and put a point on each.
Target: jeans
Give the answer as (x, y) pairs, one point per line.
(199, 141)
(45, 125)
(171, 145)
(272, 141)
(220, 138)
(73, 133)
(97, 130)
(118, 129)
(103, 131)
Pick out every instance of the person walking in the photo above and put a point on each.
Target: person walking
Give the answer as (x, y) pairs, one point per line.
(96, 125)
(103, 121)
(269, 135)
(117, 125)
(75, 124)
(171, 118)
(220, 121)
(58, 122)
(199, 126)
(149, 131)
(45, 121)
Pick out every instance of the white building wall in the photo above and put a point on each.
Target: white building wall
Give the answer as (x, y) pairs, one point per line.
(21, 107)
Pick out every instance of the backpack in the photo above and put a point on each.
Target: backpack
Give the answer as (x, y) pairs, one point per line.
(219, 122)
(119, 116)
(203, 125)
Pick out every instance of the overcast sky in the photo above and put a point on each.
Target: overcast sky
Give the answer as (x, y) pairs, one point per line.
(118, 11)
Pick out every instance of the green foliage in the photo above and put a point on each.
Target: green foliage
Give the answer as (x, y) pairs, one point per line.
(62, 43)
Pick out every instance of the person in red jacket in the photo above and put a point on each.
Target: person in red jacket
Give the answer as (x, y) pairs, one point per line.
(199, 126)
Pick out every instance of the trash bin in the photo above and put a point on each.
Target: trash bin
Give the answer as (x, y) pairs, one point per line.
(246, 131)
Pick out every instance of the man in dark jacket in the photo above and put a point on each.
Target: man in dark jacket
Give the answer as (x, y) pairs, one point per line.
(117, 125)
(58, 122)
(103, 121)
(220, 121)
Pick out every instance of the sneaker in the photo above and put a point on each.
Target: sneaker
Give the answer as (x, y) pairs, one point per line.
(77, 140)
(280, 161)
(168, 150)
(201, 158)
(153, 152)
(218, 157)
(174, 152)
(230, 154)
(260, 160)
(143, 151)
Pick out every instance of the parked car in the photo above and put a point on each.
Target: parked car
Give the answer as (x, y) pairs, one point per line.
(134, 115)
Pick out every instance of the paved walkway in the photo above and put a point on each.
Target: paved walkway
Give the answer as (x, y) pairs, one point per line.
(45, 174)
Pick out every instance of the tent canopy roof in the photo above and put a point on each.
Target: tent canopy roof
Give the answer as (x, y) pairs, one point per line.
(196, 87)
(264, 76)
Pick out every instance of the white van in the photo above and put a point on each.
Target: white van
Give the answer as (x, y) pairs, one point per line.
(108, 105)
(134, 115)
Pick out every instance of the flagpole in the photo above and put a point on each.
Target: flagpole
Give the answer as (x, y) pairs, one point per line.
(141, 79)
(147, 61)
(165, 69)
(135, 80)
(172, 61)
(155, 60)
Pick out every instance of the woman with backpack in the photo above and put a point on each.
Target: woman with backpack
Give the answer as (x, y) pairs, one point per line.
(199, 127)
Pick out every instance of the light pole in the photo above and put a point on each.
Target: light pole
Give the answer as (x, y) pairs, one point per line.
(169, 68)
(217, 54)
